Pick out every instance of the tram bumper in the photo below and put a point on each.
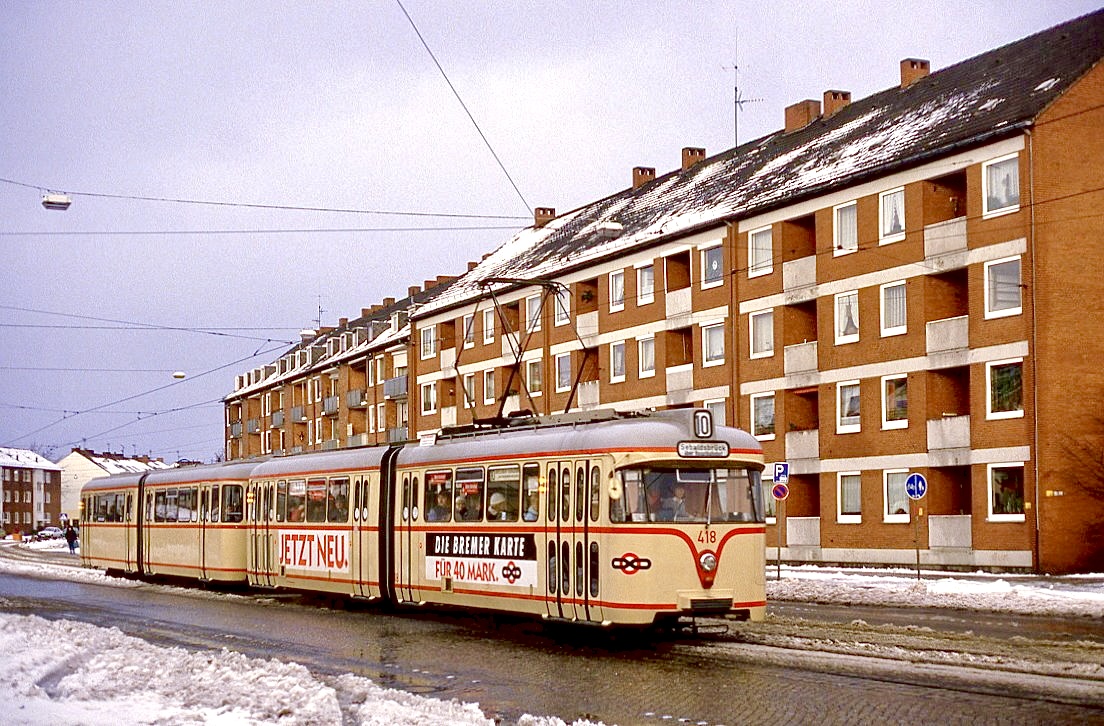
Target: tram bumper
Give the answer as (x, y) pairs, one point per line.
(700, 602)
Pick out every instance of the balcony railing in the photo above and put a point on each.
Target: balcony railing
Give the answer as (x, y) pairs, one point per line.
(298, 414)
(799, 275)
(803, 444)
(358, 440)
(395, 388)
(396, 435)
(800, 358)
(329, 444)
(331, 405)
(253, 426)
(277, 419)
(236, 430)
(356, 398)
(948, 334)
(946, 238)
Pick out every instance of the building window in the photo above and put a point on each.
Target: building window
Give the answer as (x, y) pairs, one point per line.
(892, 204)
(713, 344)
(381, 418)
(762, 333)
(895, 402)
(645, 356)
(847, 407)
(563, 372)
(645, 285)
(1004, 381)
(533, 377)
(469, 330)
(894, 496)
(847, 317)
(617, 291)
(716, 406)
(533, 307)
(1006, 492)
(1002, 288)
(469, 390)
(845, 231)
(617, 362)
(488, 325)
(762, 416)
(1000, 185)
(429, 341)
(371, 421)
(489, 386)
(849, 497)
(562, 307)
(712, 266)
(760, 252)
(893, 315)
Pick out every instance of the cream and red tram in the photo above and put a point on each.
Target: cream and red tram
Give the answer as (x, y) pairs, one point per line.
(614, 520)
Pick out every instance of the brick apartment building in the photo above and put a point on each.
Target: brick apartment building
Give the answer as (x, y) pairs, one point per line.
(30, 491)
(885, 286)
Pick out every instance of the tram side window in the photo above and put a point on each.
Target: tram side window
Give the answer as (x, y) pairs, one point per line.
(337, 504)
(553, 492)
(186, 504)
(172, 504)
(296, 500)
(683, 495)
(215, 503)
(739, 496)
(438, 496)
(504, 491)
(281, 500)
(595, 493)
(316, 500)
(469, 495)
(159, 506)
(233, 502)
(530, 475)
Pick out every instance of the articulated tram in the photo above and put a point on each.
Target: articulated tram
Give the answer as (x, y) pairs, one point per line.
(608, 520)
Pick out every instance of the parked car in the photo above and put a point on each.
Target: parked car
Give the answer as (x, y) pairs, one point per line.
(50, 533)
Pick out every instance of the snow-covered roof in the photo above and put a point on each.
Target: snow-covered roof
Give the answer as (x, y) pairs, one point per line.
(25, 459)
(977, 101)
(119, 464)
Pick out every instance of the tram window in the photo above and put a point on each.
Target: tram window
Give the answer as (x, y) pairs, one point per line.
(469, 495)
(172, 504)
(594, 569)
(565, 568)
(580, 493)
(316, 500)
(579, 568)
(337, 505)
(595, 493)
(553, 576)
(204, 505)
(365, 499)
(296, 501)
(690, 495)
(356, 499)
(505, 489)
(406, 497)
(414, 499)
(438, 496)
(281, 500)
(565, 495)
(110, 517)
(232, 501)
(553, 493)
(186, 505)
(149, 507)
(530, 475)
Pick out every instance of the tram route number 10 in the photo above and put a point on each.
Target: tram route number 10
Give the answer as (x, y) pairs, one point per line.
(707, 536)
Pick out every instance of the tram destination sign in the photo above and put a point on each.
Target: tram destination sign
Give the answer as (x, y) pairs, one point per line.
(703, 449)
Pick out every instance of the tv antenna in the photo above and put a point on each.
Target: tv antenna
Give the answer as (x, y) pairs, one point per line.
(738, 100)
(320, 311)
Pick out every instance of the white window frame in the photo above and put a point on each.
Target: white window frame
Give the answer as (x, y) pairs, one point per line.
(716, 406)
(842, 339)
(886, 422)
(990, 515)
(837, 247)
(488, 325)
(892, 517)
(765, 352)
(615, 375)
(990, 414)
(1003, 312)
(642, 342)
(559, 368)
(755, 399)
(885, 238)
(533, 310)
(707, 330)
(371, 419)
(616, 303)
(842, 518)
(538, 390)
(847, 428)
(706, 283)
(489, 390)
(986, 212)
(468, 391)
(469, 330)
(757, 265)
(889, 330)
(381, 417)
(428, 339)
(645, 297)
(562, 307)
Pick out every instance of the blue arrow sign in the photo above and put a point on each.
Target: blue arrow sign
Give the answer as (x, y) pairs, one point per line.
(916, 486)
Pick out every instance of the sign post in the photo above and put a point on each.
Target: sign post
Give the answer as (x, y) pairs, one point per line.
(916, 486)
(780, 491)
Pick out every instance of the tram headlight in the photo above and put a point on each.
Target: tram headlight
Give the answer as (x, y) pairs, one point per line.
(708, 561)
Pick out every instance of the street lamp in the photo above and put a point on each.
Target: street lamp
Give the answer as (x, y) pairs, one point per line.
(59, 202)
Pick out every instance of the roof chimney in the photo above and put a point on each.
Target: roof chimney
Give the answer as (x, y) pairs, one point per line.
(691, 155)
(444, 279)
(388, 302)
(801, 114)
(472, 266)
(413, 290)
(342, 322)
(913, 69)
(365, 312)
(543, 215)
(642, 175)
(835, 101)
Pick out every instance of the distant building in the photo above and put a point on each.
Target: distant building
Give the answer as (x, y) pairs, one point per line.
(82, 465)
(30, 491)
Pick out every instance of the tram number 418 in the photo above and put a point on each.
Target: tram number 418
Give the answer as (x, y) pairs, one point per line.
(707, 536)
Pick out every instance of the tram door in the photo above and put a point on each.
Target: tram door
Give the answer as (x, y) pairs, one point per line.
(406, 545)
(145, 536)
(561, 543)
(362, 538)
(262, 533)
(208, 540)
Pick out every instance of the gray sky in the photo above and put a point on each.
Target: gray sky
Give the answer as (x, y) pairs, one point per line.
(338, 105)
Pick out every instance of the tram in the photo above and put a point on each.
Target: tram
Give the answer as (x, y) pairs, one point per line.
(604, 519)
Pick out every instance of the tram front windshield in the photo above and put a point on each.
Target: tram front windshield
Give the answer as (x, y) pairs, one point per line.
(689, 495)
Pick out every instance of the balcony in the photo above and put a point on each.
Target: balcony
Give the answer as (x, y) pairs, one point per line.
(397, 435)
(802, 446)
(331, 405)
(253, 426)
(357, 440)
(945, 245)
(356, 398)
(679, 304)
(236, 430)
(949, 441)
(298, 414)
(948, 341)
(800, 358)
(330, 444)
(680, 383)
(395, 388)
(799, 279)
(587, 326)
(587, 395)
(950, 530)
(277, 419)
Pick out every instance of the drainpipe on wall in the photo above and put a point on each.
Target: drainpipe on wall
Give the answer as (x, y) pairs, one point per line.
(1034, 347)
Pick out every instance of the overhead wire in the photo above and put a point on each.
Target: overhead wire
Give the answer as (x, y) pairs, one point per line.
(214, 232)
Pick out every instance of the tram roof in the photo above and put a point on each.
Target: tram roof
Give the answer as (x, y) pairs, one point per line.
(225, 471)
(328, 461)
